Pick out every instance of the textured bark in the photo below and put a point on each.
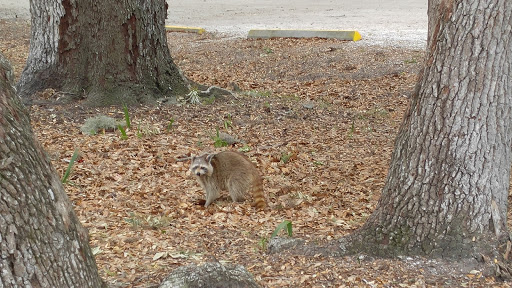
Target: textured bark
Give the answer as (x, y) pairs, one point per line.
(212, 275)
(42, 243)
(110, 52)
(447, 187)
(433, 12)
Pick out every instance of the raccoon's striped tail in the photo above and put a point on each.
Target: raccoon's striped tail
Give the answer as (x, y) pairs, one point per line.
(257, 194)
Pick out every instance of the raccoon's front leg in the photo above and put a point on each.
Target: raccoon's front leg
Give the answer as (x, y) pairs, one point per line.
(212, 193)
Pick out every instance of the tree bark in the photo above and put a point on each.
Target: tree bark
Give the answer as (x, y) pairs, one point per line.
(42, 243)
(109, 52)
(210, 274)
(448, 182)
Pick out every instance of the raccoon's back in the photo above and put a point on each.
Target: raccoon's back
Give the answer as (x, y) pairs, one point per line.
(228, 164)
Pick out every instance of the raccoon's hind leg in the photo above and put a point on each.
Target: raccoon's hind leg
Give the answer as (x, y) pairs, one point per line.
(238, 188)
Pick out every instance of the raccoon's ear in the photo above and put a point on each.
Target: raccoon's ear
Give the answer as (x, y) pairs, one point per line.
(209, 158)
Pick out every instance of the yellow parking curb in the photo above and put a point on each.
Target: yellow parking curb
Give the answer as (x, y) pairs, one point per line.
(184, 29)
(282, 33)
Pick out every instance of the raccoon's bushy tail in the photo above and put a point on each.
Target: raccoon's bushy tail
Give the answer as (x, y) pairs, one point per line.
(257, 194)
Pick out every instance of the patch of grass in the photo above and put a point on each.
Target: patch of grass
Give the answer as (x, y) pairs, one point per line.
(148, 222)
(158, 222)
(209, 101)
(352, 129)
(170, 124)
(245, 148)
(267, 51)
(285, 157)
(300, 195)
(134, 220)
(218, 141)
(263, 243)
(291, 97)
(376, 112)
(259, 94)
(99, 123)
(147, 130)
(227, 122)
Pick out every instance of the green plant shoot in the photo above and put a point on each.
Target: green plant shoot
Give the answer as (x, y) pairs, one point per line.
(126, 116)
(169, 126)
(70, 166)
(286, 224)
(227, 122)
(219, 142)
(123, 132)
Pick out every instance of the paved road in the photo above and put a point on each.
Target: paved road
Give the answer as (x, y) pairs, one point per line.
(385, 22)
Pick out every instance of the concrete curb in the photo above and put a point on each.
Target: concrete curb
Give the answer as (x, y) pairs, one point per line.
(280, 33)
(197, 30)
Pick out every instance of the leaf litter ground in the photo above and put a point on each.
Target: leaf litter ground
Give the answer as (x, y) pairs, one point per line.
(318, 117)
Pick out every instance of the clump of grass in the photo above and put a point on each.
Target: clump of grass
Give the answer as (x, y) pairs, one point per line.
(170, 124)
(227, 122)
(245, 148)
(263, 243)
(267, 50)
(219, 141)
(285, 157)
(148, 222)
(99, 123)
(123, 132)
(259, 94)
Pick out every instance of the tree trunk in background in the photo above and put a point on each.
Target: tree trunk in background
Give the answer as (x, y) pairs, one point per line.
(433, 12)
(42, 243)
(448, 182)
(110, 52)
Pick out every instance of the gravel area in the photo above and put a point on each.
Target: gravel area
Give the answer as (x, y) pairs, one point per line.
(397, 23)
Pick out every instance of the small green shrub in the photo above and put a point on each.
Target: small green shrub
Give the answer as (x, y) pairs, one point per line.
(98, 123)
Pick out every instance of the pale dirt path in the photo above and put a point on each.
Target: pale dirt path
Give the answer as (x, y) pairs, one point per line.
(381, 22)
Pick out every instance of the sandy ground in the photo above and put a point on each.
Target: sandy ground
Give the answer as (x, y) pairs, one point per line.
(382, 22)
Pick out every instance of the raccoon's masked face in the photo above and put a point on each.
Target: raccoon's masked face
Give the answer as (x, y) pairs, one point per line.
(201, 166)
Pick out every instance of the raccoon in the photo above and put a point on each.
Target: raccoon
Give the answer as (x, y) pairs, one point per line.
(228, 170)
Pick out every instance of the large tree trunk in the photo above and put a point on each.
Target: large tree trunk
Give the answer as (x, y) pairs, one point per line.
(448, 182)
(42, 243)
(110, 52)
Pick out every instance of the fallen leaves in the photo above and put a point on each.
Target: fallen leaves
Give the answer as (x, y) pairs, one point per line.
(319, 119)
